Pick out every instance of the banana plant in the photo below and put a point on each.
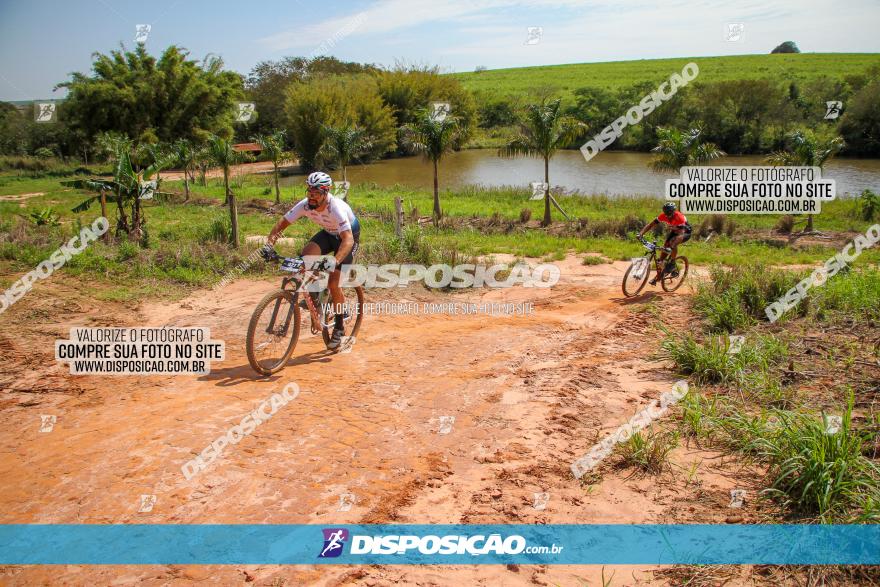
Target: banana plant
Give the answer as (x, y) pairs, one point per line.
(128, 188)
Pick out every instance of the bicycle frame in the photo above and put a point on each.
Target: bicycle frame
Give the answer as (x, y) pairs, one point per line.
(652, 255)
(281, 309)
(300, 282)
(641, 267)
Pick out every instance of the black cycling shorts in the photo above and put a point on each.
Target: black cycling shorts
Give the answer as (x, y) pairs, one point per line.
(329, 243)
(673, 234)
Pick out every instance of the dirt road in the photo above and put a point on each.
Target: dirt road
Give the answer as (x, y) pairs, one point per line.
(529, 394)
(235, 170)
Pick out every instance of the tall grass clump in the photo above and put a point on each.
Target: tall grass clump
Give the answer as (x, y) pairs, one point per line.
(815, 472)
(412, 247)
(647, 451)
(711, 361)
(736, 298)
(699, 414)
(218, 231)
(851, 293)
(812, 469)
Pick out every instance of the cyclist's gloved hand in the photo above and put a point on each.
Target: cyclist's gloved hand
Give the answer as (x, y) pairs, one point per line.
(267, 252)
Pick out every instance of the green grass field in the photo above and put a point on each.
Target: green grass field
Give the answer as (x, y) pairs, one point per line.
(520, 81)
(184, 253)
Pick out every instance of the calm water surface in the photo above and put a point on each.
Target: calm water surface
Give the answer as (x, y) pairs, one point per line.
(610, 172)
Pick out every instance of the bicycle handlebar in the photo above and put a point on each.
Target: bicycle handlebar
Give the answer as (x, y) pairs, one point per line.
(652, 246)
(298, 264)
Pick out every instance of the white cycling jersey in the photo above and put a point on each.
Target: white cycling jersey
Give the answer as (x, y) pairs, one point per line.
(336, 217)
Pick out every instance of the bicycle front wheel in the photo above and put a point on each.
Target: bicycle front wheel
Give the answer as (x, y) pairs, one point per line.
(636, 277)
(273, 332)
(670, 283)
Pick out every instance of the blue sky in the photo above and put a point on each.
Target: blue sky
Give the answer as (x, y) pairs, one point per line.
(41, 42)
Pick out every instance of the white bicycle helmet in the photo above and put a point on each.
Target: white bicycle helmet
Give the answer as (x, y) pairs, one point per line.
(319, 179)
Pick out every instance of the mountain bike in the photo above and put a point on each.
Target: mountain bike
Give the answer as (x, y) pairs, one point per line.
(672, 275)
(275, 324)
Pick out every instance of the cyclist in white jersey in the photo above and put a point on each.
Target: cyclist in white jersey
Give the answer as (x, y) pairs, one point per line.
(340, 234)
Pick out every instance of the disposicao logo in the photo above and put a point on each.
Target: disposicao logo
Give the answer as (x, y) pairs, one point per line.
(334, 541)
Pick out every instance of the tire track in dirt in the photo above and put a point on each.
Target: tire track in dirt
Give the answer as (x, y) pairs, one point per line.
(529, 395)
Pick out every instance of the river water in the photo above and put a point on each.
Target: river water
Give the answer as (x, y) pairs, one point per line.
(609, 172)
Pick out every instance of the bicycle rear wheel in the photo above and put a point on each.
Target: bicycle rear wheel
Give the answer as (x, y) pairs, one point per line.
(273, 332)
(636, 277)
(352, 322)
(669, 283)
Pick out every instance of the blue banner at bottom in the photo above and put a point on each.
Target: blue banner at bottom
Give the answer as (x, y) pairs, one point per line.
(462, 544)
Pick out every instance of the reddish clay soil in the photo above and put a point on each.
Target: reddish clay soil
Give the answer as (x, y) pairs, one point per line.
(529, 394)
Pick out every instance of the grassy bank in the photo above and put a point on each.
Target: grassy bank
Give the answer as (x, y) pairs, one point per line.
(186, 249)
(797, 398)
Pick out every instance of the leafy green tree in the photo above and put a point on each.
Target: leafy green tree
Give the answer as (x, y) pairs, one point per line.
(433, 138)
(734, 113)
(493, 112)
(786, 47)
(807, 149)
(409, 89)
(273, 150)
(150, 100)
(14, 138)
(224, 156)
(203, 162)
(860, 123)
(319, 103)
(596, 107)
(545, 130)
(815, 93)
(148, 153)
(268, 83)
(346, 143)
(869, 205)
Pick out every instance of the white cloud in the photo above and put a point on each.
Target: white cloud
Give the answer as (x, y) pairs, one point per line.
(386, 16)
(599, 30)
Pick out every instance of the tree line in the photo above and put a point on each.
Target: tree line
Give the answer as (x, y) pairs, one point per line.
(145, 113)
(318, 104)
(174, 96)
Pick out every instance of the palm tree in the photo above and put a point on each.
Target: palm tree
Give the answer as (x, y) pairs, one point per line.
(273, 149)
(433, 138)
(203, 163)
(807, 150)
(544, 131)
(346, 144)
(186, 155)
(677, 149)
(225, 157)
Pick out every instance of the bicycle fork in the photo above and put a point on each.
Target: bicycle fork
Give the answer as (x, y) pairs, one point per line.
(270, 329)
